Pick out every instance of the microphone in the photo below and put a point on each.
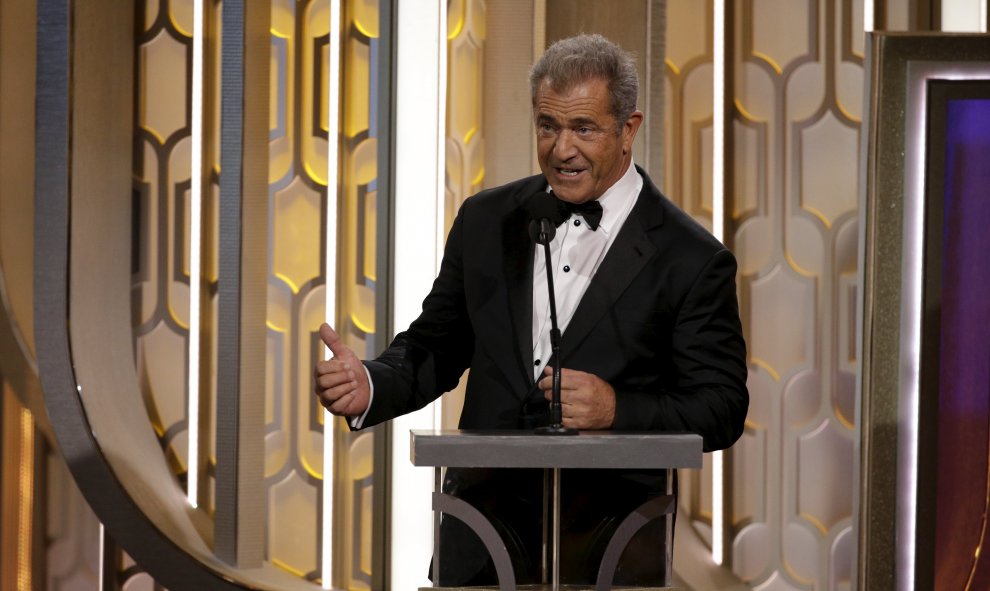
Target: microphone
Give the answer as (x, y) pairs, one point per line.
(545, 213)
(542, 231)
(546, 216)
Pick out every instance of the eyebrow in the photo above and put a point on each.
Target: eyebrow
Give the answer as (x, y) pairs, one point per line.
(577, 121)
(584, 121)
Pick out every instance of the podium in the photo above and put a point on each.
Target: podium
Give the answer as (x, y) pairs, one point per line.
(519, 449)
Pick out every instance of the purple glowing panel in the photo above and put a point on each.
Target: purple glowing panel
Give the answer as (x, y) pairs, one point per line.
(964, 376)
(966, 259)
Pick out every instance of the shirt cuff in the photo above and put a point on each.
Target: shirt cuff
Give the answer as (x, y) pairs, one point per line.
(358, 422)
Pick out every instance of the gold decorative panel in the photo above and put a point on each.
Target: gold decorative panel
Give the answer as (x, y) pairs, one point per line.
(465, 153)
(688, 107)
(296, 286)
(296, 279)
(295, 465)
(465, 144)
(798, 75)
(160, 283)
(357, 278)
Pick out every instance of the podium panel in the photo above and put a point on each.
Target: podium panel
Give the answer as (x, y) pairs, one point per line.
(602, 450)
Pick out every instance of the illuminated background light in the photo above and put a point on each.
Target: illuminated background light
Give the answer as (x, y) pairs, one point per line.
(195, 250)
(333, 118)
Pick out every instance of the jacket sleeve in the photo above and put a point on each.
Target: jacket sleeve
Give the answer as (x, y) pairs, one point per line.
(708, 394)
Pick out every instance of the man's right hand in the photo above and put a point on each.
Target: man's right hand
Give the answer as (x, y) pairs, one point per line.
(341, 383)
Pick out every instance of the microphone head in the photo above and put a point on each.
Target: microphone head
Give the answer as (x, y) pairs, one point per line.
(543, 206)
(542, 231)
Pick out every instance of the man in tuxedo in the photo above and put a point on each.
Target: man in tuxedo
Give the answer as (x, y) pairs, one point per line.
(646, 303)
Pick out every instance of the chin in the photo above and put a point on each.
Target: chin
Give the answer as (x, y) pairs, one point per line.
(572, 195)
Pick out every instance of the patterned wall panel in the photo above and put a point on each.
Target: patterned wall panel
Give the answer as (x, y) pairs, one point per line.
(160, 265)
(294, 463)
(465, 146)
(688, 107)
(357, 275)
(162, 238)
(465, 136)
(794, 203)
(297, 198)
(160, 300)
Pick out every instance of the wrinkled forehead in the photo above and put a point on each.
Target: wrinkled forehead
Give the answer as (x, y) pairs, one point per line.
(564, 84)
(580, 100)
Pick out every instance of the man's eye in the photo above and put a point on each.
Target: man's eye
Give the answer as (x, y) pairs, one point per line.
(584, 130)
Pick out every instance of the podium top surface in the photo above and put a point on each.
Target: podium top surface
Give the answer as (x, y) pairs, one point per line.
(587, 449)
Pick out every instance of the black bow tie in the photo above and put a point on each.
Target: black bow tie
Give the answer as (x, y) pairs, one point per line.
(591, 211)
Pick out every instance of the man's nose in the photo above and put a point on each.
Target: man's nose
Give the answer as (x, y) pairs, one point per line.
(564, 148)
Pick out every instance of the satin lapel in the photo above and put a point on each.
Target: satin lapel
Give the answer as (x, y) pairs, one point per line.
(631, 250)
(517, 266)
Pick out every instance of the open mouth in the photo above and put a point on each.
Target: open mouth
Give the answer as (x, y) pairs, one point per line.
(569, 172)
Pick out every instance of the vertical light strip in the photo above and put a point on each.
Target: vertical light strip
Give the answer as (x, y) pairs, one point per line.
(869, 16)
(195, 251)
(333, 195)
(441, 132)
(441, 147)
(718, 120)
(102, 573)
(718, 223)
(26, 502)
(421, 39)
(984, 16)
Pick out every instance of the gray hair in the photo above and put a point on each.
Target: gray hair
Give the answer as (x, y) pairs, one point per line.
(584, 57)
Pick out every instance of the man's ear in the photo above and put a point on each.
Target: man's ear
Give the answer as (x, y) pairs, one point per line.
(629, 129)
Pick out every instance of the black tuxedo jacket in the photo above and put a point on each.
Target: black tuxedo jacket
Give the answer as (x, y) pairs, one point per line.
(659, 322)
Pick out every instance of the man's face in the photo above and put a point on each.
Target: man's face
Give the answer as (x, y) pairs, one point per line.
(582, 151)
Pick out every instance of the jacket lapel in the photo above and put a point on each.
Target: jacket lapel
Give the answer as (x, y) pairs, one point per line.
(517, 268)
(631, 250)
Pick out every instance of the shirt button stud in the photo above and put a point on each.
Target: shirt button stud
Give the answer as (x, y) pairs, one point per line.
(567, 268)
(536, 363)
(577, 222)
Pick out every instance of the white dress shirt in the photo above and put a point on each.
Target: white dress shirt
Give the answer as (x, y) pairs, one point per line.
(576, 252)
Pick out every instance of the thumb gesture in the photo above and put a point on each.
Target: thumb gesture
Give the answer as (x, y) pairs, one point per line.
(332, 340)
(341, 383)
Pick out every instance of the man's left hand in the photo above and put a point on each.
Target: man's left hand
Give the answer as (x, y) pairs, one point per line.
(586, 400)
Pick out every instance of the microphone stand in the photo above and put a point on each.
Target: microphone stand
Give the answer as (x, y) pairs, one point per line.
(555, 427)
(551, 476)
